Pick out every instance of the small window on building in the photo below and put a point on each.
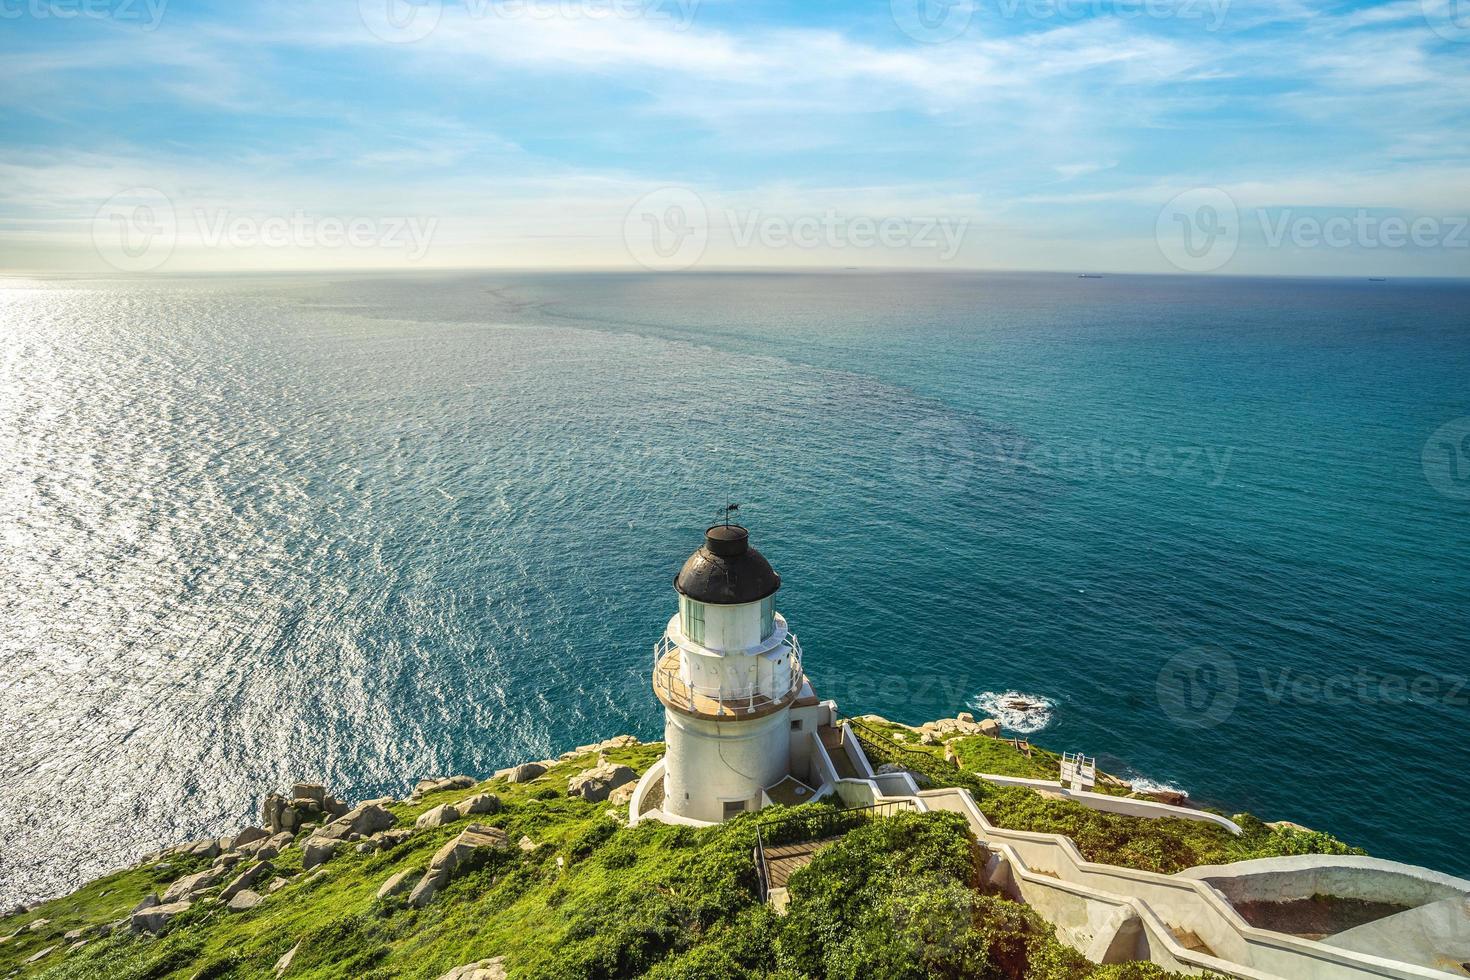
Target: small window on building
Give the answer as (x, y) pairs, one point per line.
(691, 613)
(796, 725)
(734, 808)
(768, 616)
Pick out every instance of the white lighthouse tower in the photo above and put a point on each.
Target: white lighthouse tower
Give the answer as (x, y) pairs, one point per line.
(727, 671)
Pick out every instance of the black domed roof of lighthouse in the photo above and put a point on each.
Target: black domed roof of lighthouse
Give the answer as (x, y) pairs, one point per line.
(727, 571)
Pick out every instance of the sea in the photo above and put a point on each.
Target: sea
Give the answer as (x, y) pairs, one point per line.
(366, 528)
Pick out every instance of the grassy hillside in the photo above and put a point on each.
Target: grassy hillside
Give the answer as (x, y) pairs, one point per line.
(595, 899)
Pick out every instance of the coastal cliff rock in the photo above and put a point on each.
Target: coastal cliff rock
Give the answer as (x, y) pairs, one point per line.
(434, 785)
(155, 919)
(478, 804)
(454, 857)
(523, 773)
(439, 816)
(491, 969)
(366, 819)
(594, 785)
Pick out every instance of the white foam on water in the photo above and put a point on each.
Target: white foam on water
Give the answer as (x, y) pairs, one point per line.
(1002, 706)
(1142, 784)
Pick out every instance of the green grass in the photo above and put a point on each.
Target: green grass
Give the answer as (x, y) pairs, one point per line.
(1165, 845)
(667, 902)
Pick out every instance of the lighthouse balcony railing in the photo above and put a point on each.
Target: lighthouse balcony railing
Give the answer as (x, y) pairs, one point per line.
(672, 684)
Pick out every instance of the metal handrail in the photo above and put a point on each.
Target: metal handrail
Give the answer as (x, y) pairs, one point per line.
(667, 682)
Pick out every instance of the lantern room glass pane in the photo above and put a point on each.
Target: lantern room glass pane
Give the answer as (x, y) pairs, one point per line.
(768, 616)
(691, 614)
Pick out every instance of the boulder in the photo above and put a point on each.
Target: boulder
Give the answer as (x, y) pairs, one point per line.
(245, 900)
(189, 884)
(38, 925)
(148, 902)
(209, 848)
(479, 803)
(990, 727)
(400, 882)
(246, 879)
(438, 784)
(369, 818)
(623, 794)
(317, 851)
(523, 773)
(276, 885)
(491, 969)
(389, 839)
(965, 716)
(455, 856)
(34, 957)
(72, 935)
(284, 963)
(315, 792)
(439, 816)
(155, 919)
(594, 784)
(249, 835)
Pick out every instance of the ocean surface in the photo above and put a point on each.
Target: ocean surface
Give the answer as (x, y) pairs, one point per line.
(362, 530)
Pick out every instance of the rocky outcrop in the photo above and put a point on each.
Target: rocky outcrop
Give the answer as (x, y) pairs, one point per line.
(596, 783)
(365, 820)
(308, 803)
(247, 879)
(491, 969)
(397, 883)
(439, 816)
(245, 901)
(249, 835)
(189, 884)
(155, 919)
(480, 803)
(317, 851)
(523, 773)
(454, 857)
(438, 784)
(616, 742)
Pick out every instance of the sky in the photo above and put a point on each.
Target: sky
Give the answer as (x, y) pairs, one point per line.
(1283, 137)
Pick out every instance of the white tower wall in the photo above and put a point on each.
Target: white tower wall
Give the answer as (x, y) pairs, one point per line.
(711, 763)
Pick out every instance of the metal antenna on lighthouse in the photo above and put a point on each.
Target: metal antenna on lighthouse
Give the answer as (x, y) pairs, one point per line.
(729, 509)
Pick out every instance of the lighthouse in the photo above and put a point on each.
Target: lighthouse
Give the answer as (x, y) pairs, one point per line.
(728, 671)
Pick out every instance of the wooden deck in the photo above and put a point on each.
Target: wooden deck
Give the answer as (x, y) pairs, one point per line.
(674, 693)
(786, 858)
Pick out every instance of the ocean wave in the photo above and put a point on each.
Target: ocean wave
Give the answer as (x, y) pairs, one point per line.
(1142, 784)
(1021, 713)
